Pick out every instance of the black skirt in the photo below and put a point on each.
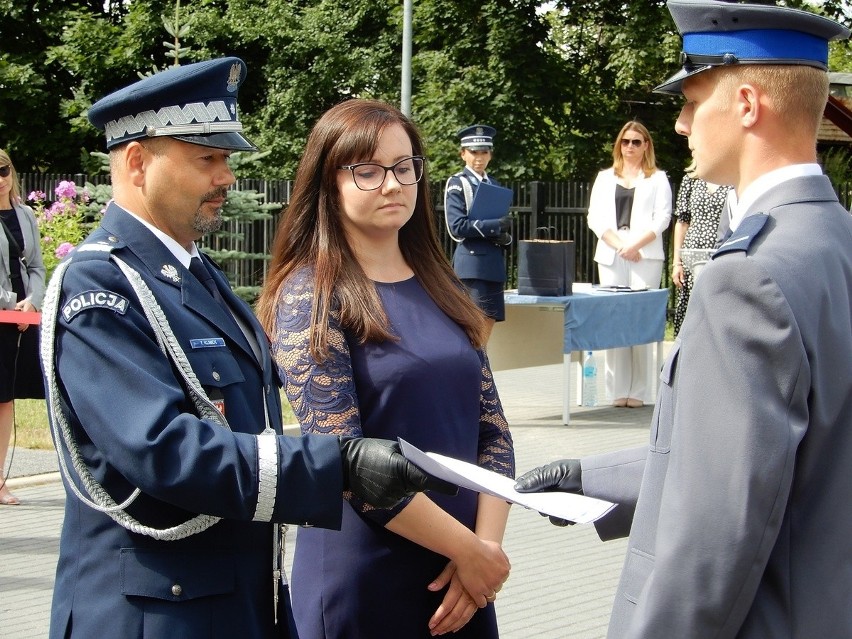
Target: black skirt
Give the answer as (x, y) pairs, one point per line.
(20, 364)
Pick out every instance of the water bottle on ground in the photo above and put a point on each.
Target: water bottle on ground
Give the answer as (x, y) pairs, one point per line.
(590, 380)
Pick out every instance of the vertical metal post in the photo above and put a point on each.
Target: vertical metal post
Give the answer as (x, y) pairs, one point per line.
(405, 91)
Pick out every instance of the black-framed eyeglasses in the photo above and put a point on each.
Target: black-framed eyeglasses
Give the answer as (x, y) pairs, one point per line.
(369, 176)
(634, 142)
(5, 170)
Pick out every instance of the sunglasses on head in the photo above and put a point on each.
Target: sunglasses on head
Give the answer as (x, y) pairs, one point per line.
(636, 143)
(5, 170)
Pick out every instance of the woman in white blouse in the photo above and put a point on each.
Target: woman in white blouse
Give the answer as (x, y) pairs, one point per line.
(630, 207)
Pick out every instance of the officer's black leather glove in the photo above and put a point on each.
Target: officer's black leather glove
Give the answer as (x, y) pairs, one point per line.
(564, 475)
(505, 223)
(504, 239)
(377, 472)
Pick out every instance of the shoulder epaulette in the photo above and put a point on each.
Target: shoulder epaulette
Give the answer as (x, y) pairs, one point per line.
(746, 232)
(99, 245)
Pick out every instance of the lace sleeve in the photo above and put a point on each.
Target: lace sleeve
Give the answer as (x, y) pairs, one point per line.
(322, 395)
(496, 450)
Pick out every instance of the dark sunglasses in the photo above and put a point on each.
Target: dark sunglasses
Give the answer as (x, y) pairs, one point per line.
(5, 170)
(636, 143)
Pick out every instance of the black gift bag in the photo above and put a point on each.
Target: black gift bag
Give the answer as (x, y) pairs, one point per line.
(545, 267)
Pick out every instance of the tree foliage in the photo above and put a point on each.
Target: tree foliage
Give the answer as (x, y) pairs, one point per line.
(557, 80)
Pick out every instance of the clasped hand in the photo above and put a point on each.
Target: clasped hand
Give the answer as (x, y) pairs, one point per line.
(474, 578)
(629, 253)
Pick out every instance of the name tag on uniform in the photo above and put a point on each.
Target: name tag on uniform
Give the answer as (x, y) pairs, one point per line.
(207, 342)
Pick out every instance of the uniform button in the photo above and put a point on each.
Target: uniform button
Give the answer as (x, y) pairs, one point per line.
(177, 591)
(216, 376)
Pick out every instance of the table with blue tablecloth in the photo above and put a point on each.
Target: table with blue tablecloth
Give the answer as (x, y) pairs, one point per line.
(547, 330)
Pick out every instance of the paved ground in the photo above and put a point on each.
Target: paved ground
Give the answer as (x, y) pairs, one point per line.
(562, 581)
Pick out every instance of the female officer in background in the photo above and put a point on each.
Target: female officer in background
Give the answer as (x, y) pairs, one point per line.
(478, 259)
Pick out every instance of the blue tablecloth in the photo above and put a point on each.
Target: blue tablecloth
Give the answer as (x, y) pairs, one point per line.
(603, 319)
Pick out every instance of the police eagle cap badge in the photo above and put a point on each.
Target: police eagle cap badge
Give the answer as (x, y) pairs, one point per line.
(170, 272)
(234, 77)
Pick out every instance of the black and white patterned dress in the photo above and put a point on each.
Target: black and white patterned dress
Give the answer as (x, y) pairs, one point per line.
(701, 209)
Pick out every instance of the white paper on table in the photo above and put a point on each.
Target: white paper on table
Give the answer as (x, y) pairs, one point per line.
(576, 508)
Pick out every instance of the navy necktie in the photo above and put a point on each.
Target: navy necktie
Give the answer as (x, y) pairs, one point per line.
(197, 268)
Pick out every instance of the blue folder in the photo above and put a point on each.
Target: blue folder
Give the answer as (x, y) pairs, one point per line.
(490, 202)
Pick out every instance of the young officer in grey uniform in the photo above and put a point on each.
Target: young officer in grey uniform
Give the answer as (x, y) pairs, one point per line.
(163, 399)
(478, 259)
(739, 509)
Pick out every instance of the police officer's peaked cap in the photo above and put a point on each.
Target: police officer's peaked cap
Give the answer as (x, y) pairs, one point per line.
(717, 33)
(196, 103)
(477, 137)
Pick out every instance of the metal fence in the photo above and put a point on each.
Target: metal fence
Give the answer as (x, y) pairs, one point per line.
(560, 207)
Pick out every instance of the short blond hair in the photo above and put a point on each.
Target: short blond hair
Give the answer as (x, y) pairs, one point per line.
(798, 93)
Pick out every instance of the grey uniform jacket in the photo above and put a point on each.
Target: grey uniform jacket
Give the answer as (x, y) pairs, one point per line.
(742, 525)
(32, 274)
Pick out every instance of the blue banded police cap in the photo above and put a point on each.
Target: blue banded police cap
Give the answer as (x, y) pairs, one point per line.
(196, 103)
(477, 137)
(717, 33)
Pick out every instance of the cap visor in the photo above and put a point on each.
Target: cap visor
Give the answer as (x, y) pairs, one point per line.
(229, 140)
(478, 147)
(674, 85)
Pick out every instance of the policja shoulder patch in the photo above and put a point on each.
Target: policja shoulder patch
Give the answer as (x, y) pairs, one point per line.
(94, 299)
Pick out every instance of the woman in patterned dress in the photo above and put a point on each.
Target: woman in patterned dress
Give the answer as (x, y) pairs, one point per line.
(374, 335)
(698, 209)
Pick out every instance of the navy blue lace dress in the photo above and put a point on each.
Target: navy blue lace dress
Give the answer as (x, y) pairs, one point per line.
(433, 389)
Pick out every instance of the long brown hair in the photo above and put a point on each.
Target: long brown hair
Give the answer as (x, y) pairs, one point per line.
(310, 234)
(649, 159)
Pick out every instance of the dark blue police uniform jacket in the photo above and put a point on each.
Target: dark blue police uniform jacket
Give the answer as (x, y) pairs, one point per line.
(135, 427)
(476, 257)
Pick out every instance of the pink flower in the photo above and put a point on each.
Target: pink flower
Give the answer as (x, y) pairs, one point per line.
(36, 196)
(64, 249)
(66, 189)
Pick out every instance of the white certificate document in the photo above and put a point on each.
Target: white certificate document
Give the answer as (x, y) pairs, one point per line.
(576, 508)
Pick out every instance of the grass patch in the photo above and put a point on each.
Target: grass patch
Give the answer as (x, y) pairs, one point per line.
(32, 430)
(669, 331)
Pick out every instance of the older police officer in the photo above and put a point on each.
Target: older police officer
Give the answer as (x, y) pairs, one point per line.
(737, 511)
(163, 399)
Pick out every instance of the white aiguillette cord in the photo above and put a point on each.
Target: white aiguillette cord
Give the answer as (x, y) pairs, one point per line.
(62, 433)
(100, 499)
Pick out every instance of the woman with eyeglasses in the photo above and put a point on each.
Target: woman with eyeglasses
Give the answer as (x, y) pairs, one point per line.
(374, 335)
(629, 209)
(21, 289)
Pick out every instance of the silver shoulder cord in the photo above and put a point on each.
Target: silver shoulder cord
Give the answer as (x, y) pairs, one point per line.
(100, 499)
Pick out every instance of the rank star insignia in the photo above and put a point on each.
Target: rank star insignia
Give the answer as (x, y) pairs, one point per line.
(170, 272)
